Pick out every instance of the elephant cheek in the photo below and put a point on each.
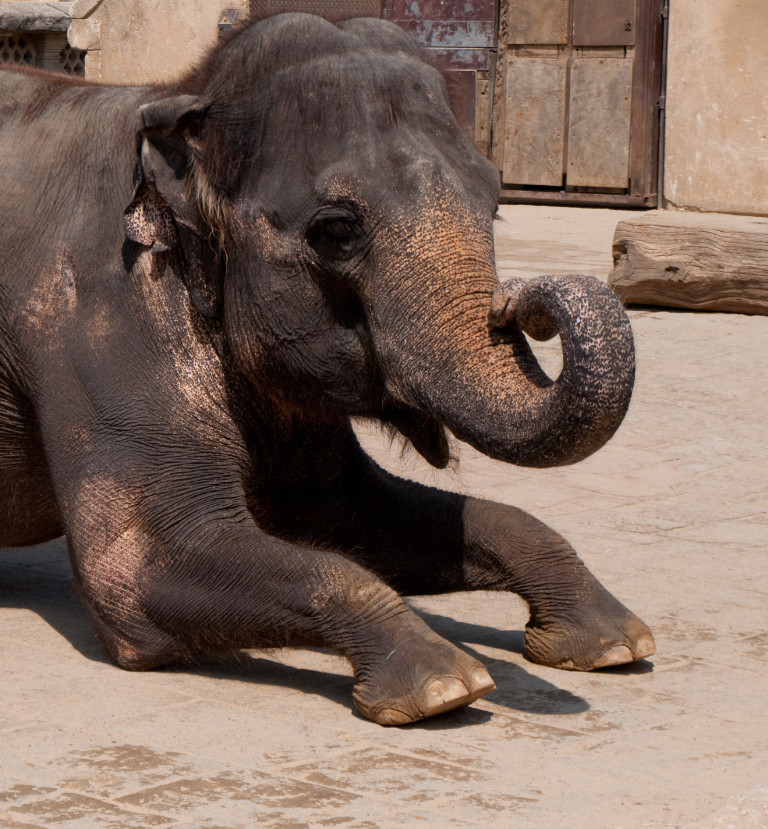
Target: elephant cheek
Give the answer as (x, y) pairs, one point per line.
(328, 365)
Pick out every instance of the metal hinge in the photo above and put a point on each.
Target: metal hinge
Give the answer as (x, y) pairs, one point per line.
(228, 20)
(665, 10)
(661, 103)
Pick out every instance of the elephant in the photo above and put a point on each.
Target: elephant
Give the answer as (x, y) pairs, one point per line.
(204, 283)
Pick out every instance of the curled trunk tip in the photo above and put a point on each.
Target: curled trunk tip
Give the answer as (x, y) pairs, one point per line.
(490, 391)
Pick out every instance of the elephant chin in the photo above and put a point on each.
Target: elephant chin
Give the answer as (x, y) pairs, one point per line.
(425, 433)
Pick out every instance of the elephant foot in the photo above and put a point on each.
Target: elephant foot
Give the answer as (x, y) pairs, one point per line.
(419, 678)
(590, 636)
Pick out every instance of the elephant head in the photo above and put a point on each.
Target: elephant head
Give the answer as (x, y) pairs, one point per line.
(336, 219)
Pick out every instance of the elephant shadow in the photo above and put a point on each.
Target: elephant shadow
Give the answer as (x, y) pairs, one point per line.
(40, 579)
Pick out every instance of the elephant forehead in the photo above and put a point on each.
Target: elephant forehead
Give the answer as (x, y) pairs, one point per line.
(321, 107)
(338, 103)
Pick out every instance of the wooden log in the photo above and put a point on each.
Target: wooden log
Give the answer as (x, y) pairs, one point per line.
(702, 261)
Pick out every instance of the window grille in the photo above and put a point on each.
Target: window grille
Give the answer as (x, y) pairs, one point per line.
(72, 60)
(45, 50)
(17, 48)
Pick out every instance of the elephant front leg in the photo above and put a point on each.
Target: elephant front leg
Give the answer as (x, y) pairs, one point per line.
(575, 622)
(164, 590)
(250, 590)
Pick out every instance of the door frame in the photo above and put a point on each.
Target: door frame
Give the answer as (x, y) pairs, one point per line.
(646, 121)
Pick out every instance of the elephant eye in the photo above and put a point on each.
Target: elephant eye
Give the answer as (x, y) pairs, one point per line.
(334, 234)
(340, 229)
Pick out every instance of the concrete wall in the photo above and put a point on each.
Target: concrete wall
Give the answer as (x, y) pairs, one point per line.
(717, 106)
(143, 41)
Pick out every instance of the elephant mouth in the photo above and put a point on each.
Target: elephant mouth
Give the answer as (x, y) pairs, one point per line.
(425, 432)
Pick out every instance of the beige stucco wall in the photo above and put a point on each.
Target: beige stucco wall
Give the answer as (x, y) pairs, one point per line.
(717, 106)
(142, 41)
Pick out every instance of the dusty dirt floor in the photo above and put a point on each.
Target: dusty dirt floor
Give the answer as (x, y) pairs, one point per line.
(671, 515)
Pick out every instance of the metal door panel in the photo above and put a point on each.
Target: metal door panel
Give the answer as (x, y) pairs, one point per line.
(598, 123)
(603, 22)
(534, 21)
(535, 121)
(462, 96)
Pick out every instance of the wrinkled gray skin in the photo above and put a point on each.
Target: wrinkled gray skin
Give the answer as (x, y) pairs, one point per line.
(199, 286)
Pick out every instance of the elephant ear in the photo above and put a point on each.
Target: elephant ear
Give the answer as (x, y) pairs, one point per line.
(148, 220)
(164, 214)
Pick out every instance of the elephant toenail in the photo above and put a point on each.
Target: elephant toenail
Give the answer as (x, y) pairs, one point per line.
(444, 691)
(392, 716)
(618, 655)
(481, 683)
(645, 646)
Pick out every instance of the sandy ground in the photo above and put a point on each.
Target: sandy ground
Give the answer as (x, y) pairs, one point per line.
(671, 515)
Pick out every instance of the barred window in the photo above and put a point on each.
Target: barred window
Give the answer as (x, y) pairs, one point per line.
(45, 50)
(17, 48)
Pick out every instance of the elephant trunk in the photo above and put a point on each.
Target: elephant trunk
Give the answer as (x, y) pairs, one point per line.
(476, 374)
(552, 423)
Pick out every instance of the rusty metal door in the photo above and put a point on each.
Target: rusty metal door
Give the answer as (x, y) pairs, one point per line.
(333, 10)
(577, 97)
